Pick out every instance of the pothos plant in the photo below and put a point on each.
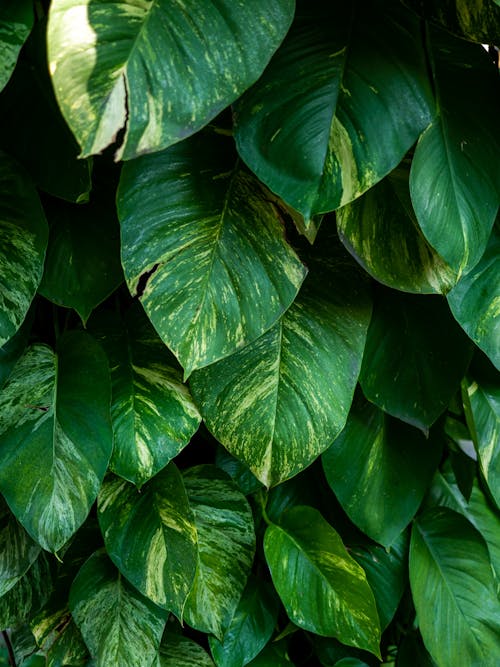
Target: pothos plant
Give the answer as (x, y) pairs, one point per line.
(249, 288)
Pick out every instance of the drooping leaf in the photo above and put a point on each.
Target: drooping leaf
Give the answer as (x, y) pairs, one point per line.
(27, 596)
(16, 20)
(59, 637)
(179, 651)
(450, 573)
(279, 402)
(226, 547)
(454, 180)
(23, 240)
(204, 249)
(17, 550)
(160, 69)
(379, 468)
(119, 625)
(345, 76)
(251, 626)
(323, 589)
(474, 301)
(153, 413)
(415, 357)
(381, 232)
(151, 536)
(55, 436)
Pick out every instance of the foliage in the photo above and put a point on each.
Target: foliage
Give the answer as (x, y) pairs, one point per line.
(249, 330)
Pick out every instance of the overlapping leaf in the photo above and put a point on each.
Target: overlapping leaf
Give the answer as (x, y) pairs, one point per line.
(59, 637)
(55, 436)
(345, 76)
(23, 240)
(17, 550)
(204, 249)
(160, 69)
(176, 650)
(16, 19)
(28, 595)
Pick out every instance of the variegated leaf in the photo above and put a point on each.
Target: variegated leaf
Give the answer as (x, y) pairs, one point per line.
(29, 594)
(204, 249)
(151, 536)
(59, 637)
(119, 625)
(16, 19)
(55, 436)
(179, 651)
(23, 240)
(17, 550)
(226, 546)
(153, 413)
(160, 69)
(279, 402)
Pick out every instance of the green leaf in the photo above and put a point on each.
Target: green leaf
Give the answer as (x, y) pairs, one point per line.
(381, 231)
(17, 550)
(279, 402)
(474, 301)
(59, 637)
(151, 536)
(251, 626)
(323, 589)
(119, 625)
(344, 77)
(179, 651)
(16, 20)
(237, 470)
(204, 249)
(23, 240)
(454, 180)
(379, 468)
(274, 655)
(412, 652)
(415, 357)
(161, 70)
(450, 573)
(29, 594)
(226, 547)
(55, 436)
(11, 351)
(153, 413)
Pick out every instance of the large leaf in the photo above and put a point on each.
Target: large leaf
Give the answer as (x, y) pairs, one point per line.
(381, 231)
(27, 596)
(454, 180)
(279, 402)
(119, 625)
(179, 651)
(379, 468)
(474, 301)
(23, 240)
(153, 413)
(151, 536)
(160, 69)
(415, 357)
(450, 573)
(323, 589)
(55, 436)
(346, 75)
(17, 550)
(16, 19)
(226, 547)
(204, 249)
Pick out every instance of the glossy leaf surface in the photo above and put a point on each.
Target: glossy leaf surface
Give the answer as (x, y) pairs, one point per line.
(29, 594)
(55, 436)
(16, 19)
(204, 249)
(17, 550)
(179, 651)
(154, 67)
(59, 637)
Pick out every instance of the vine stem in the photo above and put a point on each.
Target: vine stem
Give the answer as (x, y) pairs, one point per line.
(10, 650)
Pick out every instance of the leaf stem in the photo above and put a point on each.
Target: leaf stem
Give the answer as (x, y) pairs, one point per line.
(10, 650)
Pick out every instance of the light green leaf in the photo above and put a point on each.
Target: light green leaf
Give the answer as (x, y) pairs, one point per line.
(23, 240)
(29, 594)
(151, 536)
(119, 625)
(379, 469)
(17, 550)
(415, 357)
(475, 301)
(323, 589)
(179, 651)
(153, 413)
(450, 573)
(279, 402)
(380, 230)
(226, 547)
(161, 69)
(55, 436)
(345, 76)
(59, 637)
(204, 249)
(454, 180)
(16, 20)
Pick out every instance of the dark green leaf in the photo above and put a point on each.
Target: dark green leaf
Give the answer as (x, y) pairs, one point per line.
(29, 594)
(16, 19)
(412, 653)
(55, 436)
(11, 351)
(160, 69)
(274, 655)
(59, 637)
(323, 589)
(17, 550)
(151, 536)
(237, 470)
(204, 249)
